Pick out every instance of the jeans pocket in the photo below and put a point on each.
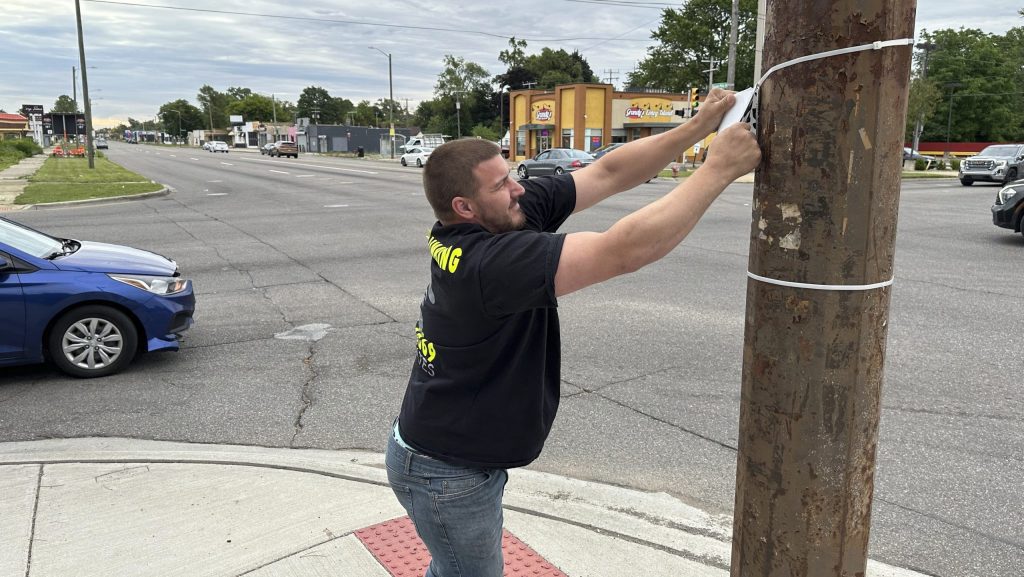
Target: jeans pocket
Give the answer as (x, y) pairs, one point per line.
(455, 487)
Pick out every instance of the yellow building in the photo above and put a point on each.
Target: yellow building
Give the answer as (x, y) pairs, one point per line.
(588, 116)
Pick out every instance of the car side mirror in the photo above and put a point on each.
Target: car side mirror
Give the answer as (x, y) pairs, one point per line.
(6, 265)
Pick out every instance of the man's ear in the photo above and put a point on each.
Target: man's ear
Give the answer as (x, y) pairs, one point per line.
(463, 208)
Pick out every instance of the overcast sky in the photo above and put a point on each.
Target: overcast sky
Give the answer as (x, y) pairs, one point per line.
(141, 57)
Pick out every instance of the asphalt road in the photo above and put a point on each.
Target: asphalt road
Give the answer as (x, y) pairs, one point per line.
(651, 361)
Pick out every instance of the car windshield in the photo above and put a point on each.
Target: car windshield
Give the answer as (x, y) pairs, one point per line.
(578, 154)
(27, 240)
(998, 151)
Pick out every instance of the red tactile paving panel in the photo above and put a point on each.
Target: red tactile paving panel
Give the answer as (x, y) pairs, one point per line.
(398, 548)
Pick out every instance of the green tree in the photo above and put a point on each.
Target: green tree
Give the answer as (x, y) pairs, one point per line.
(553, 67)
(317, 104)
(215, 106)
(65, 105)
(692, 34)
(460, 84)
(515, 56)
(253, 107)
(191, 118)
(237, 93)
(980, 82)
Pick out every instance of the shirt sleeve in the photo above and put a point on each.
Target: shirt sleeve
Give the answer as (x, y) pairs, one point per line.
(548, 201)
(518, 272)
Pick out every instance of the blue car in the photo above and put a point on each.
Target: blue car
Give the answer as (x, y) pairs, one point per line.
(87, 306)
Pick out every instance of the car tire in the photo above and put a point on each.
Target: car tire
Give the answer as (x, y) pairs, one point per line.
(404, 163)
(419, 163)
(966, 181)
(523, 173)
(559, 170)
(72, 341)
(1011, 175)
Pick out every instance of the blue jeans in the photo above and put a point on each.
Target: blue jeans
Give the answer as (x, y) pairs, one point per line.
(456, 511)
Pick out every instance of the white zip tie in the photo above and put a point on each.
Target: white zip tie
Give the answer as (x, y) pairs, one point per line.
(753, 105)
(821, 287)
(878, 45)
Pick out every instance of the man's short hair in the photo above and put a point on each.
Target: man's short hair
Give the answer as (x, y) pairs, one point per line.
(449, 172)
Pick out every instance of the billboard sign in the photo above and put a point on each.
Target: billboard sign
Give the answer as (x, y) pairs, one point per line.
(32, 109)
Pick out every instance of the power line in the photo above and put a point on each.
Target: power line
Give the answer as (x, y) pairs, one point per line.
(358, 23)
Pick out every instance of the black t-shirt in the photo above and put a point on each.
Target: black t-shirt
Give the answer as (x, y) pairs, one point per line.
(484, 387)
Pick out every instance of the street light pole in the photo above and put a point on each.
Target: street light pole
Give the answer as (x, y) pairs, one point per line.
(949, 121)
(85, 89)
(391, 102)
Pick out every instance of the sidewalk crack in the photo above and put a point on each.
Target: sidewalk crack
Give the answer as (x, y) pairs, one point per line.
(32, 530)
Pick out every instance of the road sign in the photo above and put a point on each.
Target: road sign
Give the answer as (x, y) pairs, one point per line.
(720, 85)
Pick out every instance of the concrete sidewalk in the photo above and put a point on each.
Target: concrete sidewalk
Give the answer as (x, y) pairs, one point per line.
(108, 506)
(13, 180)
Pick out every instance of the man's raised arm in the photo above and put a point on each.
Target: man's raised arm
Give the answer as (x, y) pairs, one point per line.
(636, 162)
(650, 233)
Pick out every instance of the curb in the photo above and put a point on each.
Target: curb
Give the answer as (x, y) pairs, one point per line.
(111, 199)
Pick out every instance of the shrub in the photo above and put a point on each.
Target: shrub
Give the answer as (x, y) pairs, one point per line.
(920, 164)
(954, 164)
(27, 146)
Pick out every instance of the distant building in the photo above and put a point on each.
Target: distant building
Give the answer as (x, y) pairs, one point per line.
(14, 126)
(588, 116)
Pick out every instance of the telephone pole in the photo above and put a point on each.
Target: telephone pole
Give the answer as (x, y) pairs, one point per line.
(712, 68)
(824, 221)
(734, 24)
(85, 89)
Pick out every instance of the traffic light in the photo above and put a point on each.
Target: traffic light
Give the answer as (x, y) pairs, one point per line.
(694, 99)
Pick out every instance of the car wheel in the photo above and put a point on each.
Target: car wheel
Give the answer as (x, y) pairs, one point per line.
(404, 163)
(1011, 176)
(559, 170)
(419, 162)
(523, 174)
(92, 341)
(966, 181)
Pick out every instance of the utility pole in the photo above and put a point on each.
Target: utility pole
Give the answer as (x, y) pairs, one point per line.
(734, 24)
(74, 87)
(712, 68)
(926, 47)
(85, 89)
(613, 75)
(821, 263)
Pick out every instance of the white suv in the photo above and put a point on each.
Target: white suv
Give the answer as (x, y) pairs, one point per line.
(219, 146)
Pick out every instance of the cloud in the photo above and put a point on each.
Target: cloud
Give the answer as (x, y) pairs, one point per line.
(144, 57)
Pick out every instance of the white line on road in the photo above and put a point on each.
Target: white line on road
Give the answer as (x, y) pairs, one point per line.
(217, 194)
(335, 206)
(193, 158)
(214, 181)
(227, 164)
(278, 171)
(304, 175)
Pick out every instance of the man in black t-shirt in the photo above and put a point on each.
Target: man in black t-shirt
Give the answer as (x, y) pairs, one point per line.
(484, 387)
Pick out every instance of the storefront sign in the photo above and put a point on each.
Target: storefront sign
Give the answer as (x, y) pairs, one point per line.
(650, 110)
(543, 111)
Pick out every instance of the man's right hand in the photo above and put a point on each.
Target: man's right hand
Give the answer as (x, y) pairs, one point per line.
(734, 152)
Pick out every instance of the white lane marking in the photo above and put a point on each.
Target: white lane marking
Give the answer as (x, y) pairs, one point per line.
(278, 171)
(217, 194)
(304, 175)
(227, 164)
(315, 166)
(193, 158)
(173, 156)
(214, 181)
(335, 206)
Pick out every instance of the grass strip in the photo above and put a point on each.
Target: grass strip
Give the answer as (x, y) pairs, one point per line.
(63, 179)
(43, 192)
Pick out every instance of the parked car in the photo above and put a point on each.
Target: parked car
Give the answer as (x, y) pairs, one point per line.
(417, 155)
(555, 161)
(606, 149)
(284, 148)
(266, 148)
(87, 306)
(219, 146)
(207, 145)
(1008, 210)
(1001, 163)
(100, 142)
(910, 154)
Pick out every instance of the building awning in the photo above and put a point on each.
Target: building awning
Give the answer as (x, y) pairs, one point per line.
(537, 126)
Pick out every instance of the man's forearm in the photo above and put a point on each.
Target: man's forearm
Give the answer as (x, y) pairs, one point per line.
(641, 159)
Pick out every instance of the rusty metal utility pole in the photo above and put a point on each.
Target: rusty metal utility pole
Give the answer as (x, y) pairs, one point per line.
(824, 215)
